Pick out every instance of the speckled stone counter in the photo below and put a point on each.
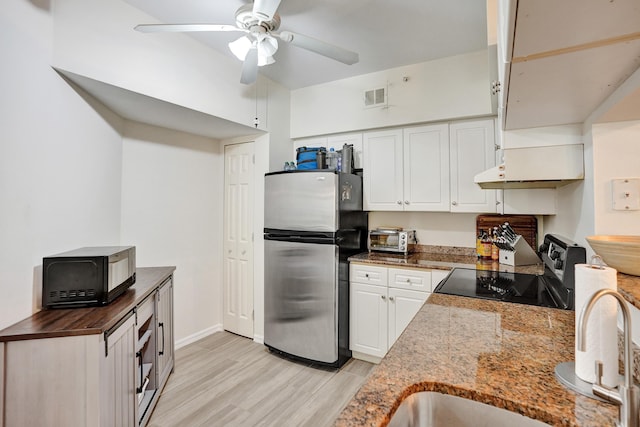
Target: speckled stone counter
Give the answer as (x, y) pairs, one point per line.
(498, 353)
(442, 260)
(629, 287)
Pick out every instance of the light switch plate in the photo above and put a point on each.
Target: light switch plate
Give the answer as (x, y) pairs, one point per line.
(626, 194)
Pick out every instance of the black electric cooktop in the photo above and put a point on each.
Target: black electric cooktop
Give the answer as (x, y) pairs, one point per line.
(530, 289)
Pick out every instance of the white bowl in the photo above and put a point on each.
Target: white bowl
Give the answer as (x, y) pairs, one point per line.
(619, 252)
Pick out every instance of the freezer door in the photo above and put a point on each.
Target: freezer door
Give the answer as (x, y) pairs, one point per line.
(300, 293)
(304, 201)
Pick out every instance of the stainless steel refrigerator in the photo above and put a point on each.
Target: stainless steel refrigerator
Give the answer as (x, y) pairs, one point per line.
(313, 223)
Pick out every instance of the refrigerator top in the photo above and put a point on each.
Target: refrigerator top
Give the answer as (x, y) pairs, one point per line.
(310, 200)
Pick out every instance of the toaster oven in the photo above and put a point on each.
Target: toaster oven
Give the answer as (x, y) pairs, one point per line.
(392, 240)
(92, 276)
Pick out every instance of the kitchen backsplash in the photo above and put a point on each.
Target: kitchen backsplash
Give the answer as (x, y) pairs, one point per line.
(432, 228)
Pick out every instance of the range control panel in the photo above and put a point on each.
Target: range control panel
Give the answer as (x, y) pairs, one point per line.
(561, 255)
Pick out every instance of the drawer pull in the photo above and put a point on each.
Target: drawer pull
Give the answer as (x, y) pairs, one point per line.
(391, 299)
(383, 297)
(408, 280)
(366, 275)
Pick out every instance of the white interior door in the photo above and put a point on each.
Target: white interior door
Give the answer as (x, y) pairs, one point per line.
(238, 239)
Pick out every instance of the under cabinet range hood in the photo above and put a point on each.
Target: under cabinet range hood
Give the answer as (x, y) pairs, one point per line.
(535, 167)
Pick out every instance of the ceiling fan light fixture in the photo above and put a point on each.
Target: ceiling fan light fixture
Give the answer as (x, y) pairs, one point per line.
(240, 47)
(267, 46)
(265, 60)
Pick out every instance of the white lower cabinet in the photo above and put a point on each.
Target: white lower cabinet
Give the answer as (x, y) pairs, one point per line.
(382, 303)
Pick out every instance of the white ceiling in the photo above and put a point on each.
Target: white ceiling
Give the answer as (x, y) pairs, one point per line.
(385, 33)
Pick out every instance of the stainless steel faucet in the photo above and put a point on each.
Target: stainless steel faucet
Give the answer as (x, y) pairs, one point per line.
(625, 395)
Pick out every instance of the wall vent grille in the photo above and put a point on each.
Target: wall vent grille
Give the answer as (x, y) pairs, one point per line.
(375, 97)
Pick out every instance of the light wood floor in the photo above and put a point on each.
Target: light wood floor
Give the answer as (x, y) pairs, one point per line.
(228, 380)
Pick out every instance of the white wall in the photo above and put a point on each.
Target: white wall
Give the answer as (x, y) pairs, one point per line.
(616, 150)
(432, 228)
(95, 38)
(60, 161)
(443, 89)
(172, 210)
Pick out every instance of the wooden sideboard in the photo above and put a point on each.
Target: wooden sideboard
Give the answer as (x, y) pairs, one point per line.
(99, 366)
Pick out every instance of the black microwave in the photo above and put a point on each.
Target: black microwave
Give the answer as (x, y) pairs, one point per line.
(86, 277)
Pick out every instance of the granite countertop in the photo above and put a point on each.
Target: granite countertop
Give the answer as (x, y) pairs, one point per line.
(445, 258)
(503, 354)
(442, 260)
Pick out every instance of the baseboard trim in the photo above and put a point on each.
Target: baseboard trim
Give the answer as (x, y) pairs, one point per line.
(366, 357)
(258, 339)
(199, 335)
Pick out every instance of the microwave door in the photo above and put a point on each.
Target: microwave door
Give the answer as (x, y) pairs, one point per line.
(303, 201)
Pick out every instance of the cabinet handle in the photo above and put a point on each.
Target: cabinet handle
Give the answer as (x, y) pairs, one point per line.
(399, 202)
(366, 275)
(391, 299)
(161, 352)
(406, 202)
(454, 203)
(139, 389)
(408, 280)
(383, 297)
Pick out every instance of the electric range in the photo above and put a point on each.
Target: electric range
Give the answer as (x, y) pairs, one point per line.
(555, 288)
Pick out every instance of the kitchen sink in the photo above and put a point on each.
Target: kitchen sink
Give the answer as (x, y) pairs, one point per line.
(432, 409)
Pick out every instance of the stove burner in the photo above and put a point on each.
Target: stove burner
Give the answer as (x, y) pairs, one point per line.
(553, 289)
(518, 288)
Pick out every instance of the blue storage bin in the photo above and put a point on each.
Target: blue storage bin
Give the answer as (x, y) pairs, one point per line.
(306, 157)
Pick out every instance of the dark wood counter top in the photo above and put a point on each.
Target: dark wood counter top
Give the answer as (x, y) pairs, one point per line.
(87, 321)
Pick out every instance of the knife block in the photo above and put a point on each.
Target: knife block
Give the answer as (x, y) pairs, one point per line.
(522, 254)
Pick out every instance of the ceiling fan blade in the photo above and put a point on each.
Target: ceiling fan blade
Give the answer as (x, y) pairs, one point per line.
(179, 28)
(250, 67)
(265, 9)
(325, 49)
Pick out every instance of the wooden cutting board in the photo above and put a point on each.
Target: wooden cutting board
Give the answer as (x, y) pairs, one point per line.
(525, 225)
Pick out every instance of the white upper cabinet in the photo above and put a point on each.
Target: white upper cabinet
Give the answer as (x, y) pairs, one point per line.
(426, 168)
(383, 185)
(429, 168)
(473, 150)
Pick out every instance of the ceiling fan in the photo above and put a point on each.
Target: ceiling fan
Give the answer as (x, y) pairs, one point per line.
(260, 22)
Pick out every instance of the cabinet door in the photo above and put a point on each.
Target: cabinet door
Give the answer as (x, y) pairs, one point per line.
(164, 332)
(426, 168)
(368, 319)
(403, 306)
(118, 376)
(337, 141)
(472, 151)
(382, 175)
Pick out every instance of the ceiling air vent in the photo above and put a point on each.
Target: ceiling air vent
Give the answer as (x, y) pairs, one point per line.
(375, 97)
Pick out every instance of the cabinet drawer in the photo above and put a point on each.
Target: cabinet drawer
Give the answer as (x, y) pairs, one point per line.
(145, 310)
(416, 280)
(368, 274)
